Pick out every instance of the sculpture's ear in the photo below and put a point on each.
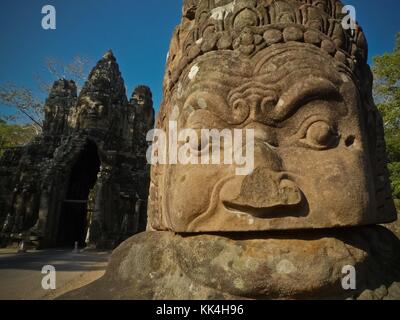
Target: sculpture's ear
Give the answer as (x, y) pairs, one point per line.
(155, 215)
(374, 127)
(154, 206)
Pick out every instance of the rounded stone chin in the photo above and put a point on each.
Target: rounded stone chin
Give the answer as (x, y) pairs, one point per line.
(301, 265)
(308, 265)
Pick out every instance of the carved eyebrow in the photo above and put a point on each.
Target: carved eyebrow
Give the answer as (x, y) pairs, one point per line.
(311, 88)
(251, 87)
(211, 85)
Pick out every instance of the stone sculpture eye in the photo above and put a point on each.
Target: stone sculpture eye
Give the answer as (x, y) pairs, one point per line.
(320, 135)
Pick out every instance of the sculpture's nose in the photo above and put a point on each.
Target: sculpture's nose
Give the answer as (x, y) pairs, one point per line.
(262, 194)
(268, 190)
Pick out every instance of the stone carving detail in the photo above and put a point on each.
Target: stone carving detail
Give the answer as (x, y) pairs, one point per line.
(216, 267)
(312, 205)
(251, 26)
(86, 172)
(62, 97)
(288, 70)
(143, 115)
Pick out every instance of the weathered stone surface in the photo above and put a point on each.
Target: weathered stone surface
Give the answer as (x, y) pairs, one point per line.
(287, 70)
(102, 98)
(319, 147)
(86, 177)
(21, 169)
(62, 98)
(306, 265)
(143, 116)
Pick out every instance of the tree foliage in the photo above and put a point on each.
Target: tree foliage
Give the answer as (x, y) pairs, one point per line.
(14, 135)
(387, 93)
(26, 118)
(25, 103)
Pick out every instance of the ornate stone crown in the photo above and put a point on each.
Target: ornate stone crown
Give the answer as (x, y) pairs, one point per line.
(249, 26)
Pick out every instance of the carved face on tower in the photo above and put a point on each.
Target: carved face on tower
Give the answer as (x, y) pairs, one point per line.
(101, 97)
(142, 101)
(304, 88)
(142, 97)
(94, 113)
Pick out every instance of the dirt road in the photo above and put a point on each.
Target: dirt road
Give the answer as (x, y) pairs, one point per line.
(21, 274)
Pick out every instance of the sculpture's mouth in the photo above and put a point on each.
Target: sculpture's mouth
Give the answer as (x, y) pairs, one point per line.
(273, 211)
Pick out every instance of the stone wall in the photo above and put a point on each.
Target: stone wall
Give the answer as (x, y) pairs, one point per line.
(87, 171)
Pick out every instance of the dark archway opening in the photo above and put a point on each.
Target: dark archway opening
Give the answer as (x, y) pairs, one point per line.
(73, 221)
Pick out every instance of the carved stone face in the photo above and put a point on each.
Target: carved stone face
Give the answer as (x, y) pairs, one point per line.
(312, 164)
(142, 101)
(142, 98)
(139, 99)
(92, 113)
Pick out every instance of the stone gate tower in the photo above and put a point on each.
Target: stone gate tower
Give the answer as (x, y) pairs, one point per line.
(86, 177)
(288, 71)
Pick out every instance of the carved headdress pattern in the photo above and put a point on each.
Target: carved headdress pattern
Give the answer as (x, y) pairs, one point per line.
(252, 25)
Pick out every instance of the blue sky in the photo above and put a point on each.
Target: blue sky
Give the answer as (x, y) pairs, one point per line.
(138, 32)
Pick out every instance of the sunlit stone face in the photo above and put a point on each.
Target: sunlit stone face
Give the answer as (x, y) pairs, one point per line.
(311, 164)
(92, 113)
(142, 98)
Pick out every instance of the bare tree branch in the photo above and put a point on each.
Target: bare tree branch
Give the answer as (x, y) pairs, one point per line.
(29, 106)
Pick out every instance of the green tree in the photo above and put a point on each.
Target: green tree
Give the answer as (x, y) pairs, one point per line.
(387, 93)
(12, 135)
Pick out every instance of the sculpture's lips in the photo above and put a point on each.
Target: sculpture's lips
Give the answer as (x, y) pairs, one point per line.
(273, 211)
